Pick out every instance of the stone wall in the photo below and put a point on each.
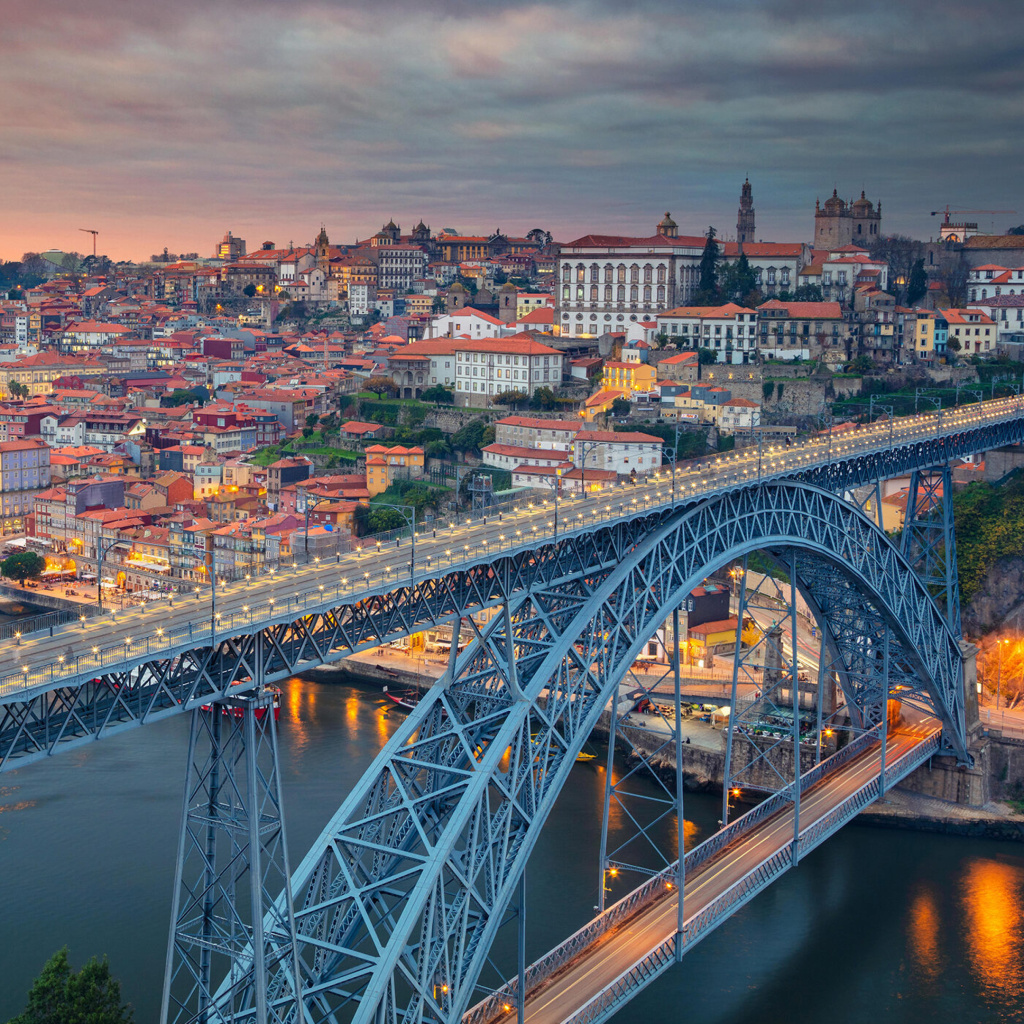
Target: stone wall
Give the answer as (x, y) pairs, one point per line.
(1000, 461)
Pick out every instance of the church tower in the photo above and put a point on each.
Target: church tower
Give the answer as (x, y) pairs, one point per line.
(322, 249)
(745, 216)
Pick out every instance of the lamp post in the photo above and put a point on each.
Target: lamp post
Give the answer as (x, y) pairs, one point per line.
(885, 408)
(309, 509)
(556, 485)
(669, 453)
(409, 514)
(99, 570)
(999, 672)
(937, 402)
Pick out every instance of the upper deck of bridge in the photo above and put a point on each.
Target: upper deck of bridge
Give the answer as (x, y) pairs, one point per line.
(836, 461)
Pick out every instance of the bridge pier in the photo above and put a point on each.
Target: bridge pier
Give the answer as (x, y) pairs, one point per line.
(232, 923)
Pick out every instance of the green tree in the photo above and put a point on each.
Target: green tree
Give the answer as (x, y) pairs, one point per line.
(250, 290)
(437, 450)
(312, 419)
(1018, 230)
(382, 519)
(808, 293)
(381, 386)
(539, 236)
(510, 398)
(22, 566)
(17, 389)
(707, 289)
(543, 398)
(862, 364)
(706, 356)
(438, 393)
(307, 432)
(62, 996)
(620, 407)
(738, 281)
(917, 287)
(470, 437)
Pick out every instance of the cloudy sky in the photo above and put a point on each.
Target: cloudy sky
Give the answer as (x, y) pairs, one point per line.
(166, 122)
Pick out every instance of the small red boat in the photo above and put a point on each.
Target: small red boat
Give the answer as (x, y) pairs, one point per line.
(261, 712)
(407, 700)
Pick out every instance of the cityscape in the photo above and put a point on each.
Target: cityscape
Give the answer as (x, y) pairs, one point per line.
(479, 619)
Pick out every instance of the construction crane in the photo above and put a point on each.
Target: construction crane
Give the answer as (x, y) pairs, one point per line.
(948, 211)
(90, 231)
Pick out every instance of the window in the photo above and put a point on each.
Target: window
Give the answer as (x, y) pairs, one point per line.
(621, 293)
(622, 273)
(607, 293)
(633, 292)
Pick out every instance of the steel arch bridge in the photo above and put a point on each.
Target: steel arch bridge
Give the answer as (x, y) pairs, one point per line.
(397, 903)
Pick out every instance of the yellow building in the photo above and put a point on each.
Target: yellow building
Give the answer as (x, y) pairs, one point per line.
(924, 339)
(628, 378)
(377, 475)
(418, 304)
(599, 404)
(385, 464)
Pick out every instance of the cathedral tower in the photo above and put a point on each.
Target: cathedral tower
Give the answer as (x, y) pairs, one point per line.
(745, 216)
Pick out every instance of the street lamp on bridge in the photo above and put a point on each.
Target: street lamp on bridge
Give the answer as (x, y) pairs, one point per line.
(102, 553)
(409, 515)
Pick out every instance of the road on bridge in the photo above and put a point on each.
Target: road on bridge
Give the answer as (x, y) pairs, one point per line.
(41, 662)
(558, 999)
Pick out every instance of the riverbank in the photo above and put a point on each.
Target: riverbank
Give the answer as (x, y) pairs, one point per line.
(908, 810)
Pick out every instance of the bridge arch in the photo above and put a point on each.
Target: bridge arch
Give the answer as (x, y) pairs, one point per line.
(398, 901)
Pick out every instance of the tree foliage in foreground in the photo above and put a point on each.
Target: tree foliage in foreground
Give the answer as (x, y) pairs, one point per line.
(62, 996)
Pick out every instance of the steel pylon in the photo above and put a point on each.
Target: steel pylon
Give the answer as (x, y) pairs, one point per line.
(231, 954)
(928, 542)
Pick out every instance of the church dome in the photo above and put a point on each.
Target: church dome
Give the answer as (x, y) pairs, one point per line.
(667, 222)
(321, 239)
(862, 206)
(456, 287)
(834, 205)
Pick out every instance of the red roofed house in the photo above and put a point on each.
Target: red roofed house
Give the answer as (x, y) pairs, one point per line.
(803, 330)
(357, 430)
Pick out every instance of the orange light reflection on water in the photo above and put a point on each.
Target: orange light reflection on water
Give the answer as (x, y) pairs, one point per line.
(992, 893)
(923, 934)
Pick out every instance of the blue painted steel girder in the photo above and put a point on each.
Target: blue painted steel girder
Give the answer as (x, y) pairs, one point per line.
(400, 898)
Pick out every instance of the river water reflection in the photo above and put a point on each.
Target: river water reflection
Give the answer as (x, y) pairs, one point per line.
(874, 926)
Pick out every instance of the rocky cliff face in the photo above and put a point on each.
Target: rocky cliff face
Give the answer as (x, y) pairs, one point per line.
(999, 599)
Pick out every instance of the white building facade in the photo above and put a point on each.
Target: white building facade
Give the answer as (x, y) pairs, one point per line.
(491, 366)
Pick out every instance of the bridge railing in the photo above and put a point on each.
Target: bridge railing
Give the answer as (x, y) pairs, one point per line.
(24, 628)
(658, 885)
(721, 907)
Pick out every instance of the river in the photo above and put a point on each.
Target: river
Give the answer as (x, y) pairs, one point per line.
(876, 925)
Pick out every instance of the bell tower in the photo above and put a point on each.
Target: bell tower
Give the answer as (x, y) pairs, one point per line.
(745, 216)
(322, 248)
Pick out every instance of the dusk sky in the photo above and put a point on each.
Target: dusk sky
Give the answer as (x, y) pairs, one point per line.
(166, 123)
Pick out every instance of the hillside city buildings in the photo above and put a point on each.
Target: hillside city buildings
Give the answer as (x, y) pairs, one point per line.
(200, 414)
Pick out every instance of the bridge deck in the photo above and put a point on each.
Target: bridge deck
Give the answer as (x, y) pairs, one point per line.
(76, 653)
(622, 961)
